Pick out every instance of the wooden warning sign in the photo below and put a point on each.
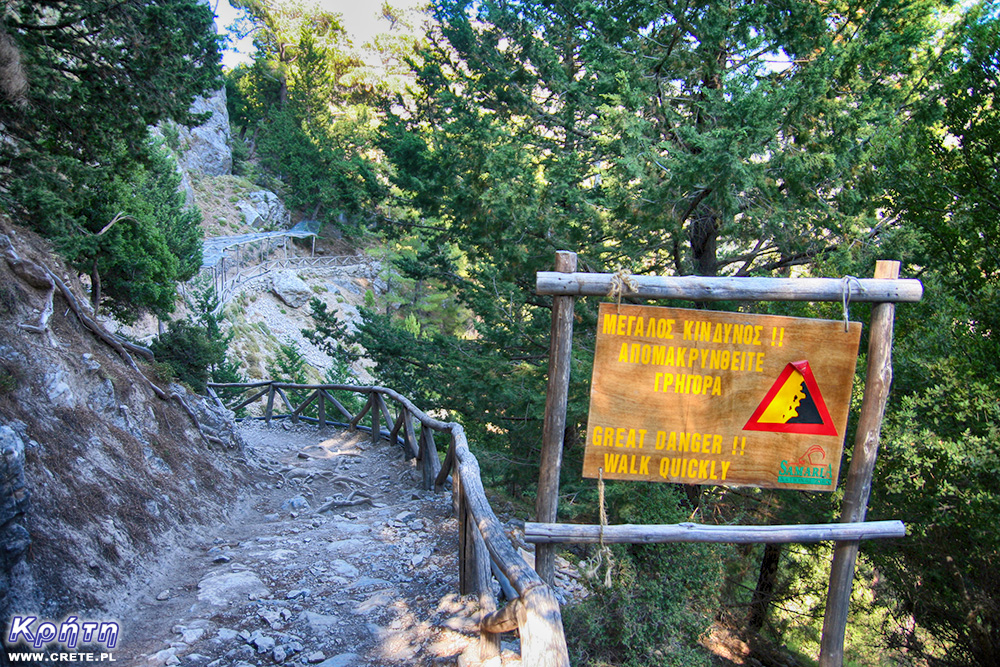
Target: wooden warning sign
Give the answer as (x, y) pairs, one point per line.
(706, 397)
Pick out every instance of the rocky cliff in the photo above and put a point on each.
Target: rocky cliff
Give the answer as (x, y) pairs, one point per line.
(99, 461)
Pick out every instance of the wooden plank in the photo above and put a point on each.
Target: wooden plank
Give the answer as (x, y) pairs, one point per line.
(554, 426)
(284, 398)
(394, 433)
(504, 620)
(543, 642)
(564, 533)
(250, 400)
(337, 404)
(299, 410)
(384, 409)
(859, 478)
(701, 288)
(508, 590)
(215, 397)
(466, 578)
(489, 643)
(522, 577)
(708, 397)
(357, 419)
(430, 464)
(456, 502)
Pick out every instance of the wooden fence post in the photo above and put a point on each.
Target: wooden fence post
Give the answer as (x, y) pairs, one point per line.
(859, 479)
(376, 414)
(489, 643)
(465, 553)
(554, 428)
(321, 408)
(543, 640)
(430, 464)
(269, 411)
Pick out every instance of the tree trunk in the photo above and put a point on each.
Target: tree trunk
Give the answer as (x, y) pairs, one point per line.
(764, 593)
(704, 231)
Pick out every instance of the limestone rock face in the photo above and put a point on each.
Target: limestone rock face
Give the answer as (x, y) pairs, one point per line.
(13, 503)
(206, 149)
(264, 209)
(291, 289)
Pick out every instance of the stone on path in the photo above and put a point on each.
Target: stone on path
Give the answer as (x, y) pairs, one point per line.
(222, 589)
(343, 660)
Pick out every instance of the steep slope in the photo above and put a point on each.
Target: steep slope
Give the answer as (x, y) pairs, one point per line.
(99, 465)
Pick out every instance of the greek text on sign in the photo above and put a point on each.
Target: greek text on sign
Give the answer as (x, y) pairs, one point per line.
(707, 397)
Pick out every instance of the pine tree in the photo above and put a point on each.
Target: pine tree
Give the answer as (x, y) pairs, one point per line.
(78, 165)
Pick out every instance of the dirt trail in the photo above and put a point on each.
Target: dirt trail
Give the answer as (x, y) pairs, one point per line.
(285, 582)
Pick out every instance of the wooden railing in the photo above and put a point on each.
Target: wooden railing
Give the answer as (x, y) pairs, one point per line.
(483, 550)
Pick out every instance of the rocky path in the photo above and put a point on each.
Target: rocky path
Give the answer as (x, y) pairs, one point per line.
(336, 558)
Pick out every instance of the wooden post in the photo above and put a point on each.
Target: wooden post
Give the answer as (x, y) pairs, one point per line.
(321, 414)
(409, 437)
(456, 498)
(430, 465)
(376, 414)
(465, 580)
(489, 642)
(543, 641)
(358, 417)
(553, 431)
(269, 411)
(859, 479)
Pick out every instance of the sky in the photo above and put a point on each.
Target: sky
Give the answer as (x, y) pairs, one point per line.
(361, 19)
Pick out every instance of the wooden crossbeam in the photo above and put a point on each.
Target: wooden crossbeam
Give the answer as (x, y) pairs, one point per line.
(566, 533)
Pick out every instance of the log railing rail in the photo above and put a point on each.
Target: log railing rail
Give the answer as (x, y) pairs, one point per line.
(484, 549)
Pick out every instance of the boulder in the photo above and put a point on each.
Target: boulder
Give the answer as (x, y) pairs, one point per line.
(264, 209)
(222, 589)
(291, 289)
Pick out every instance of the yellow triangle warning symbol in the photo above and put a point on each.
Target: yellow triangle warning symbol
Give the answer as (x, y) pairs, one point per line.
(793, 404)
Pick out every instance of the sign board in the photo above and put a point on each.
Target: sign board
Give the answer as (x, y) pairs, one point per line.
(708, 397)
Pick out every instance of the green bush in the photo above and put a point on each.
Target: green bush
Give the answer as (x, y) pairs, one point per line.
(195, 349)
(662, 597)
(188, 351)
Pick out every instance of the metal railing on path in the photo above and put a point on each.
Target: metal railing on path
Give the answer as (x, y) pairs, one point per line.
(228, 282)
(484, 550)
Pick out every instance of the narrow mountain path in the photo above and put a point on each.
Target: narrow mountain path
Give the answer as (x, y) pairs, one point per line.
(336, 558)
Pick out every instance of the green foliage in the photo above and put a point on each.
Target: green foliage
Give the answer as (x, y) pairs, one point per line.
(330, 335)
(312, 131)
(8, 382)
(195, 348)
(733, 139)
(85, 61)
(662, 597)
(76, 155)
(940, 476)
(939, 458)
(187, 351)
(123, 222)
(288, 365)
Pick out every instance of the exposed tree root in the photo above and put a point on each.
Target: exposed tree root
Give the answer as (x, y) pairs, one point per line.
(41, 277)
